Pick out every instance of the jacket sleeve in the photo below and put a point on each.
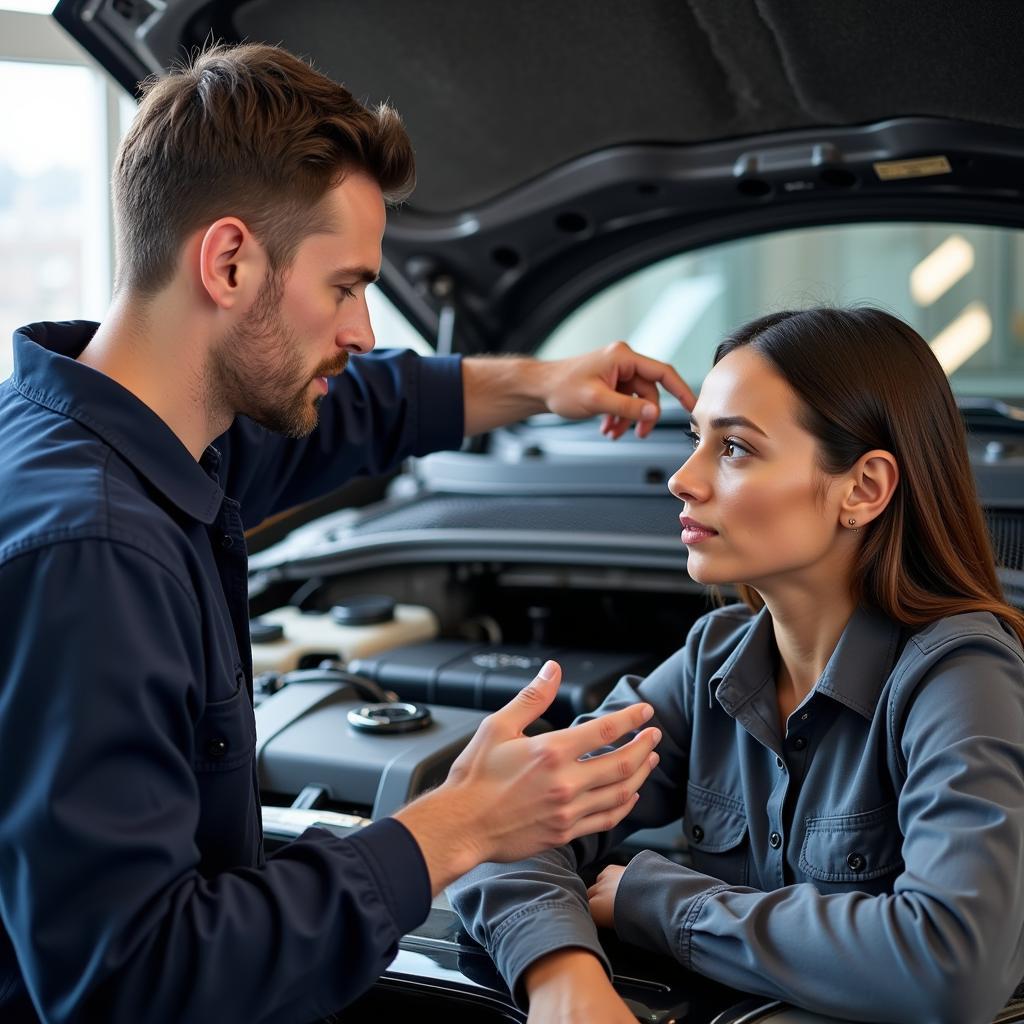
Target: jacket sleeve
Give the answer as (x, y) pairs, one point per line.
(521, 911)
(946, 945)
(386, 406)
(100, 890)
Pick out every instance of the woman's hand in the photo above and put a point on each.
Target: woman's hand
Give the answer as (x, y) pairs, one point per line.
(602, 896)
(570, 986)
(583, 1007)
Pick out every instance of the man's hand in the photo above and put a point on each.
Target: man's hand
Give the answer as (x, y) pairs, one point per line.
(616, 381)
(509, 796)
(602, 896)
(613, 380)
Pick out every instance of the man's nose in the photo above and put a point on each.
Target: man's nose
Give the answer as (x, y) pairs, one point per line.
(355, 335)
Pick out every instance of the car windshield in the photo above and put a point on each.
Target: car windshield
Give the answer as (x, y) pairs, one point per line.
(959, 286)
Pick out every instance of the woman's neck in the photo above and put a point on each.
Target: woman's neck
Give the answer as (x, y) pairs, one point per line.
(808, 625)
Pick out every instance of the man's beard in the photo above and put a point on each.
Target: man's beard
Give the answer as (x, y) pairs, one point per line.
(256, 369)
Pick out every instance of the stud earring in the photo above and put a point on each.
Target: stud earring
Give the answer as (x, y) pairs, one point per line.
(853, 522)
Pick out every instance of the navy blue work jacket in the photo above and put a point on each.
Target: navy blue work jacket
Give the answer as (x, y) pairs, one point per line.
(133, 884)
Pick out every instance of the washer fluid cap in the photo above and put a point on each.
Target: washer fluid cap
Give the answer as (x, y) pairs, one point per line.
(263, 632)
(364, 611)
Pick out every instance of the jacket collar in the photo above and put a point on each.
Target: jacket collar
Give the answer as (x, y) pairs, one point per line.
(46, 372)
(854, 676)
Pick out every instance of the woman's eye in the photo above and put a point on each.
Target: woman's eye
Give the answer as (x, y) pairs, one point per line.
(734, 449)
(346, 292)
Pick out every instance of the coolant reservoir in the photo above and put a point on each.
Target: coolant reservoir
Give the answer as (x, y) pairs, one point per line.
(288, 638)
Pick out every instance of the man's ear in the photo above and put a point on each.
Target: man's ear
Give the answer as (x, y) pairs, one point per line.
(232, 264)
(871, 484)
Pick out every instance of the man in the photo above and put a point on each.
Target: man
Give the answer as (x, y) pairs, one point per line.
(250, 204)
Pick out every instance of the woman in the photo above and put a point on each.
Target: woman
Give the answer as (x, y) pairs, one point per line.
(846, 748)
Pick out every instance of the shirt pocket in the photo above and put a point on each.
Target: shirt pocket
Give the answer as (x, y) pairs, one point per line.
(716, 832)
(853, 848)
(225, 737)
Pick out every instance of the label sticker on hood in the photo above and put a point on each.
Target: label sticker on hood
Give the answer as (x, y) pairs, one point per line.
(922, 167)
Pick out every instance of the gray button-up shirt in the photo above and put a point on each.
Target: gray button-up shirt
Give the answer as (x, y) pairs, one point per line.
(866, 862)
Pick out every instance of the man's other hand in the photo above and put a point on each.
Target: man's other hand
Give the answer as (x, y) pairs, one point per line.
(615, 381)
(509, 796)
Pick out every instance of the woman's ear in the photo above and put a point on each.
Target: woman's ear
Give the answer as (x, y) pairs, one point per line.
(232, 264)
(871, 484)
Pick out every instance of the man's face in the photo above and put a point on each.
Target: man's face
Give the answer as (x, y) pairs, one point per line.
(275, 365)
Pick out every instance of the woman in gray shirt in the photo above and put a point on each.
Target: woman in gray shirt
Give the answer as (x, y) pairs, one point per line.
(846, 747)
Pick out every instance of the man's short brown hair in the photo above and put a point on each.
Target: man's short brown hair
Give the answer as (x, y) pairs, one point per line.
(249, 131)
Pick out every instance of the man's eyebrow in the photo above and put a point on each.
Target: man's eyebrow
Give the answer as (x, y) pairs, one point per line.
(359, 273)
(721, 422)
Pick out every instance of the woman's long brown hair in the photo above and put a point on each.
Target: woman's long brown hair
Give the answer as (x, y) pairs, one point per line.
(867, 380)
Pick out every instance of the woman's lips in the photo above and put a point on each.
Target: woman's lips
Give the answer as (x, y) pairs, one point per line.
(694, 532)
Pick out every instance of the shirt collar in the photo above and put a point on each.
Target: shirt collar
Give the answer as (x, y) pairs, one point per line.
(855, 674)
(46, 371)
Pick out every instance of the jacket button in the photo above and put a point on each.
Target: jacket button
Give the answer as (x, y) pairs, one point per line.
(217, 748)
(799, 743)
(697, 832)
(855, 862)
(227, 541)
(775, 840)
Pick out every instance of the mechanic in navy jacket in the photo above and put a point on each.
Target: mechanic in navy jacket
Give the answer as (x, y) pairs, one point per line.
(250, 203)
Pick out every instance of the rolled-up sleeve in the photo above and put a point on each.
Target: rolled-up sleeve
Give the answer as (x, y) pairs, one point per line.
(100, 888)
(945, 946)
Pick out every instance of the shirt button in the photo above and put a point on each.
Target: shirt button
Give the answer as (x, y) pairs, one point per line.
(799, 743)
(217, 748)
(775, 840)
(780, 762)
(227, 541)
(697, 832)
(805, 716)
(855, 862)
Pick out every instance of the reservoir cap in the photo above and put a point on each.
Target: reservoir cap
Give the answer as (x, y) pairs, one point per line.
(367, 610)
(263, 632)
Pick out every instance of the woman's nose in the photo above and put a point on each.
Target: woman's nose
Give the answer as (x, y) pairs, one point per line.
(686, 482)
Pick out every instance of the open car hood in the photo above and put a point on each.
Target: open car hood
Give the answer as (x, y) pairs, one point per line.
(561, 145)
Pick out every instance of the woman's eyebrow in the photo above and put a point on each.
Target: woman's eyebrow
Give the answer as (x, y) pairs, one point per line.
(720, 422)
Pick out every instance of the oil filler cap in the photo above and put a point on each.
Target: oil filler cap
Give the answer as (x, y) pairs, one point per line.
(368, 610)
(398, 716)
(263, 632)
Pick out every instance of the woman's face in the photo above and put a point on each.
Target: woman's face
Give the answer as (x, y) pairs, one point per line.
(756, 506)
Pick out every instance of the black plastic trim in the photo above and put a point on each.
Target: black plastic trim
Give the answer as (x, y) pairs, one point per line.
(638, 204)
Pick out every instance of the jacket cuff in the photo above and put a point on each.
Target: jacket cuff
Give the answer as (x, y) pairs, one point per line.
(396, 862)
(534, 932)
(440, 405)
(658, 902)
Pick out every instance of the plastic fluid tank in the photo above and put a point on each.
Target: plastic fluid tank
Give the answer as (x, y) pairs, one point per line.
(288, 638)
